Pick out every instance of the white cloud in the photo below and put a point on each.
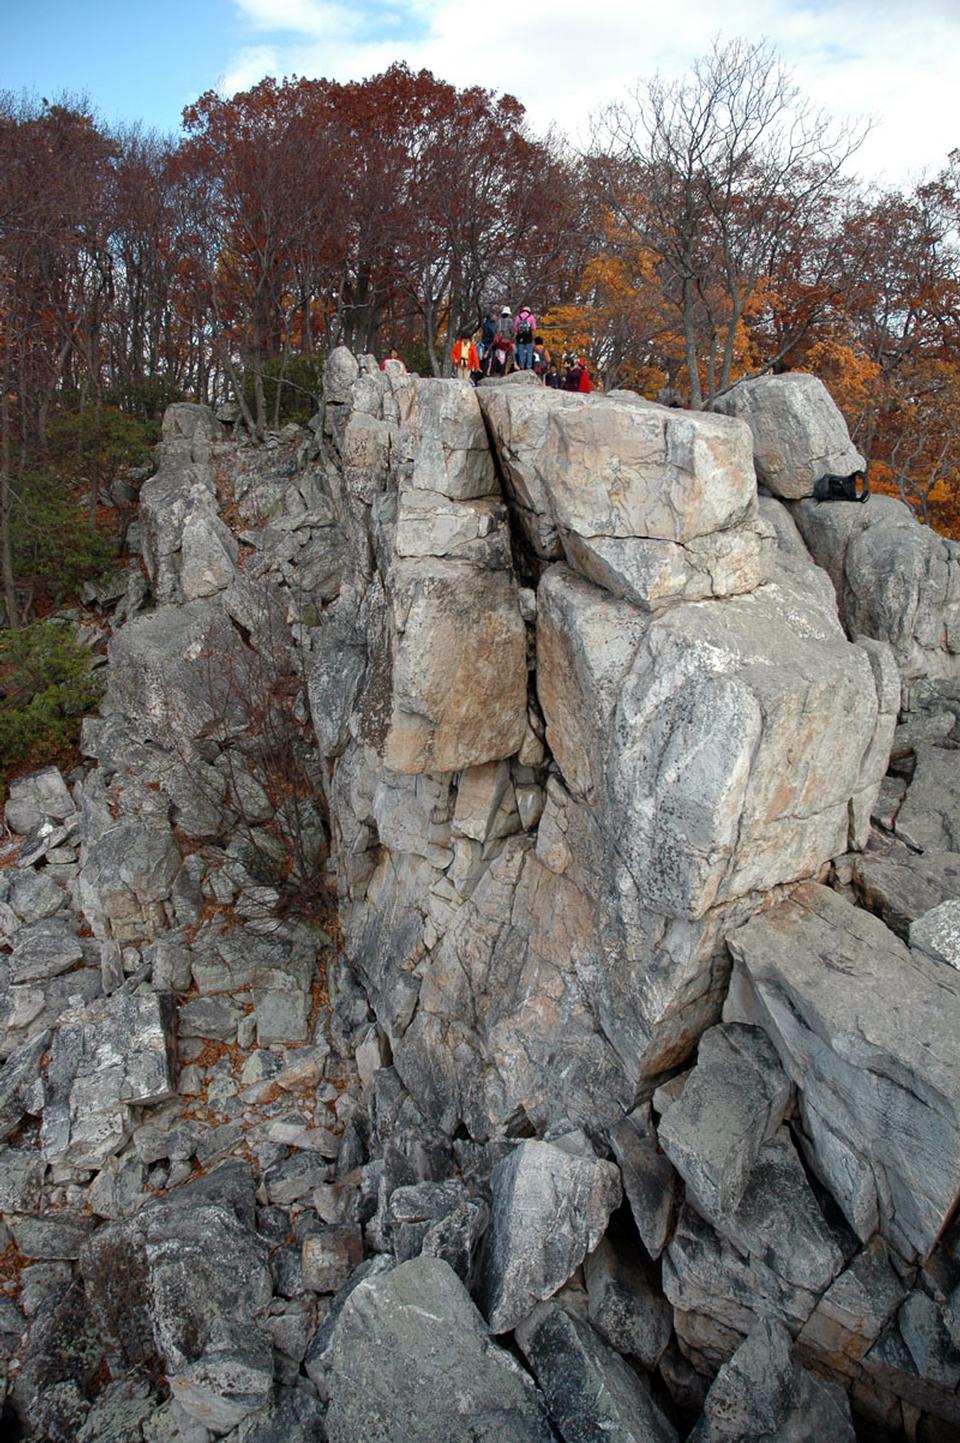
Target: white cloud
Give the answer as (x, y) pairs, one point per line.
(566, 58)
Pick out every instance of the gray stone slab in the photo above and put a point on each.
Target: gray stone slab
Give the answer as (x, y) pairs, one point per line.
(929, 817)
(650, 1181)
(899, 885)
(35, 798)
(626, 1305)
(55, 1235)
(105, 1059)
(44, 949)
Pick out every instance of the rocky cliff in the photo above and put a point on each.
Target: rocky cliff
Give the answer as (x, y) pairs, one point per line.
(495, 975)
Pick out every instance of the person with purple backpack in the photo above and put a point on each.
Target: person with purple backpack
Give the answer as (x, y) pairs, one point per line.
(524, 328)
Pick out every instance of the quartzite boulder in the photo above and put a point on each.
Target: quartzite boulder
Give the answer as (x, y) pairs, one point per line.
(649, 1181)
(771, 1257)
(519, 421)
(549, 1208)
(655, 505)
(867, 1031)
(187, 1283)
(592, 1393)
(617, 470)
(762, 1393)
(126, 875)
(895, 580)
(35, 798)
(454, 667)
(412, 1362)
(689, 737)
(626, 1305)
(732, 1103)
(174, 673)
(854, 1310)
(114, 1055)
(799, 433)
(929, 818)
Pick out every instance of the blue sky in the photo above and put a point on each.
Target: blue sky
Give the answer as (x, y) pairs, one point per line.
(892, 60)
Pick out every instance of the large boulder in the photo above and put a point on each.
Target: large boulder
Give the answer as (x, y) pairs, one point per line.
(799, 434)
(551, 1202)
(126, 875)
(175, 673)
(655, 505)
(894, 579)
(763, 1393)
(732, 1103)
(771, 1256)
(186, 1284)
(519, 418)
(866, 1030)
(617, 470)
(453, 667)
(592, 1393)
(412, 1362)
(737, 748)
(115, 1055)
(38, 797)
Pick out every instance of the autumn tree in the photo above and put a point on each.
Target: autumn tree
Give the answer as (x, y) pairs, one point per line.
(262, 169)
(715, 175)
(55, 284)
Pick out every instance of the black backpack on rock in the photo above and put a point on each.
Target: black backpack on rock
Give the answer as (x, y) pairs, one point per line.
(841, 488)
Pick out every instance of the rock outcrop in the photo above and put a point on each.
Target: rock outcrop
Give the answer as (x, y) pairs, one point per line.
(496, 969)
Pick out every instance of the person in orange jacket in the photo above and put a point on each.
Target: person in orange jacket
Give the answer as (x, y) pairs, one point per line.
(466, 359)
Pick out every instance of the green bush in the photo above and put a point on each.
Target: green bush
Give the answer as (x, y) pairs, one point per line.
(146, 399)
(54, 548)
(46, 688)
(96, 444)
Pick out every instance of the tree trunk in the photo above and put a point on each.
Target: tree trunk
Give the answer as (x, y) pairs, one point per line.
(690, 347)
(7, 578)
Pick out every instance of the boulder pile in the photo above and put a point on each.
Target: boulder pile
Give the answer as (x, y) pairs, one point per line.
(495, 973)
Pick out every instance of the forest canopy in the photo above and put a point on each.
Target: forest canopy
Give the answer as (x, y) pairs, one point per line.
(714, 228)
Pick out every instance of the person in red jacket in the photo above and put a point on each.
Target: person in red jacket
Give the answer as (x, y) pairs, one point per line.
(466, 360)
(585, 384)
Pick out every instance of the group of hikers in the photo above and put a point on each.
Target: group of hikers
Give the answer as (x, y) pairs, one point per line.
(509, 342)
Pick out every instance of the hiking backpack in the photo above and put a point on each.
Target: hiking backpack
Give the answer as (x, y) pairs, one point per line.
(841, 488)
(525, 328)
